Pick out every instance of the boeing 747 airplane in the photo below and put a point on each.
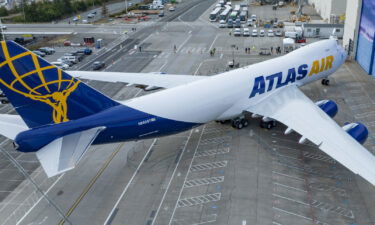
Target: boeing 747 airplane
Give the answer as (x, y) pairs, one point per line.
(59, 116)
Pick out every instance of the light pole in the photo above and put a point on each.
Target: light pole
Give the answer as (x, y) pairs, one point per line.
(2, 30)
(126, 6)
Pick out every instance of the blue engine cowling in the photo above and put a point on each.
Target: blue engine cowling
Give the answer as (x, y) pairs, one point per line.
(357, 130)
(329, 107)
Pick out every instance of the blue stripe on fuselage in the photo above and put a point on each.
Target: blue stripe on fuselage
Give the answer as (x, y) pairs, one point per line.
(122, 124)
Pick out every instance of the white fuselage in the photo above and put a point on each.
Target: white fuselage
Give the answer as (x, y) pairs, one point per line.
(227, 95)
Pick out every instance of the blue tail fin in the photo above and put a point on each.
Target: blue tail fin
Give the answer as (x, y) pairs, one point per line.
(43, 94)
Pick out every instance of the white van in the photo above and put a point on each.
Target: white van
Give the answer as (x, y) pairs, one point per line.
(290, 34)
(70, 58)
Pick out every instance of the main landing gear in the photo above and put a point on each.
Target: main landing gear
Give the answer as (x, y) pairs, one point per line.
(240, 123)
(268, 125)
(325, 82)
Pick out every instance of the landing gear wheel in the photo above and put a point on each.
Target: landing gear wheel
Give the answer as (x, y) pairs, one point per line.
(268, 125)
(235, 123)
(325, 82)
(245, 122)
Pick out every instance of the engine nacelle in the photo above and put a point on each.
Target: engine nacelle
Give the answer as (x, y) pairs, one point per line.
(357, 130)
(328, 106)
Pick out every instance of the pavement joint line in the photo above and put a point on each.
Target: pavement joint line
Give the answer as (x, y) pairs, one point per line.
(106, 222)
(186, 175)
(92, 182)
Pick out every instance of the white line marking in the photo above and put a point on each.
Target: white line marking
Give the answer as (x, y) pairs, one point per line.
(187, 173)
(243, 222)
(196, 71)
(290, 199)
(183, 43)
(213, 42)
(170, 181)
(130, 181)
(290, 213)
(163, 65)
(289, 187)
(27, 213)
(286, 175)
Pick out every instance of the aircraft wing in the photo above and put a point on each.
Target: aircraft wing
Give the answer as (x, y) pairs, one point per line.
(148, 79)
(290, 106)
(64, 153)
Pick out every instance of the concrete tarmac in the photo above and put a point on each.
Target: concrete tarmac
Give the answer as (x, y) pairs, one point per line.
(212, 174)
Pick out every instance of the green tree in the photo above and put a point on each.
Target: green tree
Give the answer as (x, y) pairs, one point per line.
(3, 11)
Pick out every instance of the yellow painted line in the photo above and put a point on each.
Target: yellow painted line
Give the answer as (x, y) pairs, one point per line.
(92, 182)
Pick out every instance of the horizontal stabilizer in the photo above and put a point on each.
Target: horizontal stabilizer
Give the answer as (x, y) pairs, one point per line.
(64, 153)
(11, 125)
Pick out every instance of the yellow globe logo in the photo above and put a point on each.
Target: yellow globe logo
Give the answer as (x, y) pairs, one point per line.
(53, 92)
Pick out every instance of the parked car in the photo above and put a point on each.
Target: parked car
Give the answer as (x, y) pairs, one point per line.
(67, 43)
(85, 21)
(222, 24)
(3, 27)
(98, 65)
(3, 98)
(91, 15)
(238, 23)
(250, 22)
(237, 32)
(254, 33)
(230, 23)
(65, 61)
(61, 65)
(161, 6)
(85, 51)
(78, 55)
(246, 32)
(262, 33)
(39, 53)
(300, 40)
(75, 19)
(254, 17)
(47, 50)
(278, 33)
(161, 14)
(270, 33)
(172, 9)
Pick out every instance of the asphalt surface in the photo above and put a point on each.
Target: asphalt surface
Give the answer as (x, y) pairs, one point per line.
(213, 174)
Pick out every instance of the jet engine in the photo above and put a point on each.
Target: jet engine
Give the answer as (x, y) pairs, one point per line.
(357, 130)
(328, 106)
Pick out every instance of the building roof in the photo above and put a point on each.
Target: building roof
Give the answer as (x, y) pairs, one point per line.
(329, 25)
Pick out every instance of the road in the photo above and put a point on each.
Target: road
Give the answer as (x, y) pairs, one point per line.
(213, 174)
